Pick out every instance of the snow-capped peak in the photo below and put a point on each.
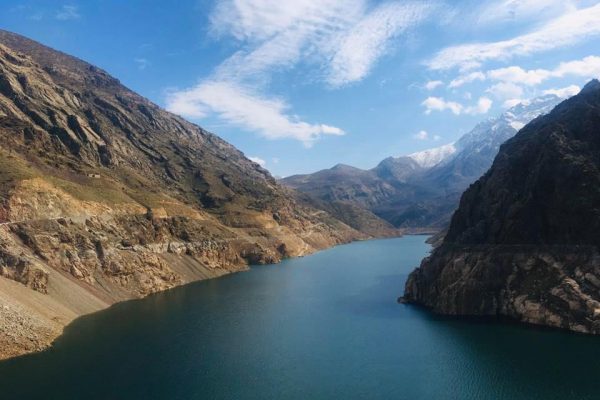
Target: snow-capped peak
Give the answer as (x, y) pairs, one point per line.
(431, 157)
(489, 134)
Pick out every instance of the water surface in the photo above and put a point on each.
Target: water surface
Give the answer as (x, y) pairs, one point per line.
(325, 326)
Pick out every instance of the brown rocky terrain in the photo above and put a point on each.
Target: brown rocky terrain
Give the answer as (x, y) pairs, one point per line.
(106, 197)
(524, 240)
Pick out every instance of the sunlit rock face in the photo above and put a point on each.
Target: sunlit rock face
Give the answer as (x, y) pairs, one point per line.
(107, 197)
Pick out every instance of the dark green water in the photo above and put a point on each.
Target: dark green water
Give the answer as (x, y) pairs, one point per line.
(320, 327)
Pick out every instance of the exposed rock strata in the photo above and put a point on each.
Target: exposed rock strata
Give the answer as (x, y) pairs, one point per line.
(106, 197)
(524, 241)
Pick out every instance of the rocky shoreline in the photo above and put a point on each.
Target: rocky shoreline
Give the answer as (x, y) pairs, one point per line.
(106, 197)
(524, 241)
(553, 286)
(36, 306)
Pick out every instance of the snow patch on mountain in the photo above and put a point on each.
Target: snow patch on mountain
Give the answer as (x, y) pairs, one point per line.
(431, 157)
(488, 135)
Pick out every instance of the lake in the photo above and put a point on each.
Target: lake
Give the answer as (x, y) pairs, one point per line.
(326, 326)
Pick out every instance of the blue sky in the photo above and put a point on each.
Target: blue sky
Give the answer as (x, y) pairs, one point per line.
(302, 85)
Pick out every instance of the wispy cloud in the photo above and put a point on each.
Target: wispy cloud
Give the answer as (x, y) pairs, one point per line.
(421, 135)
(504, 11)
(572, 27)
(468, 78)
(565, 92)
(142, 63)
(588, 67)
(68, 12)
(342, 38)
(340, 41)
(424, 136)
(482, 107)
(505, 90)
(440, 104)
(517, 74)
(431, 104)
(239, 106)
(431, 85)
(361, 47)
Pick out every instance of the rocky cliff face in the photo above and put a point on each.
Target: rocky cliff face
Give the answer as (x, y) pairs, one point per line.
(107, 197)
(524, 240)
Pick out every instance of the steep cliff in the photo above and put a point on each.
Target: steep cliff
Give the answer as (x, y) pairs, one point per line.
(107, 197)
(524, 240)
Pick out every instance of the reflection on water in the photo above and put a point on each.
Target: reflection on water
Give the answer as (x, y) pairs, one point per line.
(320, 327)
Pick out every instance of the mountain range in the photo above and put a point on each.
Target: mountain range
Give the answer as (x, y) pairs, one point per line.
(524, 241)
(421, 190)
(107, 197)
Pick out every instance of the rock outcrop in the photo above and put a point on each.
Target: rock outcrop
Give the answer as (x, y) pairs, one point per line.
(524, 241)
(106, 197)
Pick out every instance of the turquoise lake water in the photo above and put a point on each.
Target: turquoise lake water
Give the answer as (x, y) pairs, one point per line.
(326, 326)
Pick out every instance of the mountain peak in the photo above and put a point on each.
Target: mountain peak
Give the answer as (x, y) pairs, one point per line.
(591, 86)
(343, 167)
(432, 157)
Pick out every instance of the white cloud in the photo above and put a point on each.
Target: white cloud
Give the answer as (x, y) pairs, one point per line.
(431, 85)
(439, 104)
(421, 135)
(588, 67)
(505, 90)
(260, 20)
(517, 10)
(339, 40)
(241, 107)
(68, 12)
(258, 160)
(482, 107)
(342, 38)
(468, 78)
(367, 41)
(565, 92)
(519, 75)
(570, 28)
(424, 135)
(512, 79)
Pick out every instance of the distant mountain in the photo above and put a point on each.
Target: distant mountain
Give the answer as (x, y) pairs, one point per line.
(476, 150)
(524, 242)
(432, 157)
(421, 190)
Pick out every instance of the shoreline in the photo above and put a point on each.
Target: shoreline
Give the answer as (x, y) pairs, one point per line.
(53, 335)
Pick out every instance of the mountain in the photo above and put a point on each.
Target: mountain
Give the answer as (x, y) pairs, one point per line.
(524, 241)
(476, 150)
(107, 197)
(432, 157)
(422, 190)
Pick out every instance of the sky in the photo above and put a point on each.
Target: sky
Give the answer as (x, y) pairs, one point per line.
(302, 85)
